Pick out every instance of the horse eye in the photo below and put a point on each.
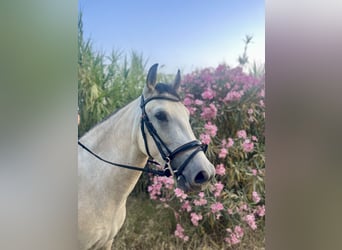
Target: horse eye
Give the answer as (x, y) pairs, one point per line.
(161, 116)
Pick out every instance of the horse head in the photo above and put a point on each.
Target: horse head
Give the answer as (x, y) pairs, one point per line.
(167, 134)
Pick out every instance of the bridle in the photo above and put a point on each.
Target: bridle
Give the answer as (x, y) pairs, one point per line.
(166, 154)
(169, 155)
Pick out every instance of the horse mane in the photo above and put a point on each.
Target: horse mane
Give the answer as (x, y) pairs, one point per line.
(166, 88)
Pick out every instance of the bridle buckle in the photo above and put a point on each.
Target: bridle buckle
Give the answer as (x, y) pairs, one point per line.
(168, 171)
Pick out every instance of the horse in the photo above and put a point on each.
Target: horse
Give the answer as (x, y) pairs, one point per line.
(153, 128)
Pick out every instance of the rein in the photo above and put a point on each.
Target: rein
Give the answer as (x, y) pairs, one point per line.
(146, 169)
(167, 156)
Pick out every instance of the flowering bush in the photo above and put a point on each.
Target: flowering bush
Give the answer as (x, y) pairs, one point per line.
(227, 112)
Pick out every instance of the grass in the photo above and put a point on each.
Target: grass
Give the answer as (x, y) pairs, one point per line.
(147, 227)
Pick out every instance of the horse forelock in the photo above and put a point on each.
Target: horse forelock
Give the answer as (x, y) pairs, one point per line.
(166, 88)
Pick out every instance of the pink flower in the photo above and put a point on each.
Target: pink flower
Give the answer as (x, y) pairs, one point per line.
(209, 112)
(255, 197)
(243, 207)
(234, 239)
(155, 188)
(217, 187)
(168, 182)
(187, 101)
(180, 194)
(250, 111)
(223, 153)
(238, 231)
(200, 202)
(220, 169)
(211, 129)
(192, 110)
(216, 207)
(179, 232)
(158, 182)
(254, 138)
(208, 94)
(205, 138)
(242, 134)
(250, 219)
(254, 171)
(248, 146)
(233, 96)
(195, 218)
(186, 206)
(230, 143)
(261, 210)
(198, 102)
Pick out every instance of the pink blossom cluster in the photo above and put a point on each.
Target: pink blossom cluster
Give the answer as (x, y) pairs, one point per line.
(186, 206)
(195, 218)
(201, 201)
(233, 96)
(208, 94)
(205, 138)
(216, 207)
(260, 211)
(198, 102)
(223, 153)
(179, 232)
(250, 219)
(210, 129)
(225, 146)
(188, 103)
(255, 197)
(248, 145)
(242, 134)
(210, 112)
(217, 189)
(220, 169)
(156, 187)
(234, 236)
(180, 194)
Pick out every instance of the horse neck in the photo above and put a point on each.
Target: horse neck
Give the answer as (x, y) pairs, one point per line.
(116, 140)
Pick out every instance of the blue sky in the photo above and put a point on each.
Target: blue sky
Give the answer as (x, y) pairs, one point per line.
(184, 34)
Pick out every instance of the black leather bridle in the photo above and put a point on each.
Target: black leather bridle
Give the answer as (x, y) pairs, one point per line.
(169, 155)
(163, 149)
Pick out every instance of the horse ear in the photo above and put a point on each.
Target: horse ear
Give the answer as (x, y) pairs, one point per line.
(152, 77)
(176, 84)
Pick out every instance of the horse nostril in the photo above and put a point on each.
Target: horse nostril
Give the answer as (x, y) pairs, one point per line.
(201, 177)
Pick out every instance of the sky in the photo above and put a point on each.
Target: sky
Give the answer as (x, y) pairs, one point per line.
(179, 34)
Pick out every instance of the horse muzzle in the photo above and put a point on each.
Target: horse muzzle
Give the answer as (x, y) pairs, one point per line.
(196, 175)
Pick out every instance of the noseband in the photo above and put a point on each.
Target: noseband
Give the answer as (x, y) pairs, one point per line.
(167, 154)
(163, 149)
